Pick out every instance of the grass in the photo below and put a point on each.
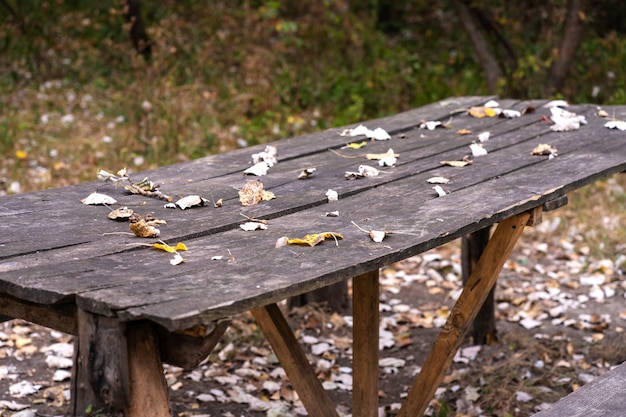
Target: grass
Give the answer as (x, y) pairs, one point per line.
(76, 97)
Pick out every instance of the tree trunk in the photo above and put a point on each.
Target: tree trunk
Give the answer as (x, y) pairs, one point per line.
(138, 35)
(490, 64)
(571, 39)
(483, 329)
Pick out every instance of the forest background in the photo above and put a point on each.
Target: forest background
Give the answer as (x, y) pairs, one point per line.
(108, 84)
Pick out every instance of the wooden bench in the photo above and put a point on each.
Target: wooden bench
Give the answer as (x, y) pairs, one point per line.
(65, 265)
(602, 397)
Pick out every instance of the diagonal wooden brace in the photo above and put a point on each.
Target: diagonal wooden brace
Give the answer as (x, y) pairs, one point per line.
(294, 361)
(475, 291)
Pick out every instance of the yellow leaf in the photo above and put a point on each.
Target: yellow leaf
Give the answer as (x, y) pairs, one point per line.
(464, 131)
(356, 145)
(168, 248)
(314, 238)
(480, 112)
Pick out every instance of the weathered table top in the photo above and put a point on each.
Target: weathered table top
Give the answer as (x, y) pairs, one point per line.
(55, 250)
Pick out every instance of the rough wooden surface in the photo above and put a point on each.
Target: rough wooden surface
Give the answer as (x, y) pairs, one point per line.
(100, 379)
(54, 250)
(603, 397)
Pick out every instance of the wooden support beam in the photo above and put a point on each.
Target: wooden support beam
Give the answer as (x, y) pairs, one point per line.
(100, 380)
(294, 361)
(481, 281)
(148, 389)
(365, 299)
(188, 348)
(60, 317)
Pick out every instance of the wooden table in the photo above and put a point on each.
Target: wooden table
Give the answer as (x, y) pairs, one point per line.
(63, 264)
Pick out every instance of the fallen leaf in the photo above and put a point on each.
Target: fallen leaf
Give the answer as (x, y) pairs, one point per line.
(314, 238)
(616, 124)
(464, 132)
(144, 226)
(480, 112)
(354, 145)
(191, 201)
(484, 136)
(178, 259)
(457, 164)
(96, 199)
(377, 156)
(440, 191)
(438, 180)
(171, 249)
(332, 195)
(431, 125)
(510, 114)
(253, 192)
(377, 235)
(544, 149)
(259, 169)
(120, 214)
(268, 156)
(478, 150)
(251, 226)
(565, 121)
(306, 173)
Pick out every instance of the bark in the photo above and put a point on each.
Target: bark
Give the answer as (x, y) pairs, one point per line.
(571, 39)
(138, 35)
(491, 67)
(483, 329)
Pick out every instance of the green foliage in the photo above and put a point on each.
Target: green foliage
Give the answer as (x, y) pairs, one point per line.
(248, 70)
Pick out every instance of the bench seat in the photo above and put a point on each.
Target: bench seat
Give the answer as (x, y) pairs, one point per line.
(602, 397)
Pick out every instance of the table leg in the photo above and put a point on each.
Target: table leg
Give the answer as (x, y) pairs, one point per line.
(467, 306)
(365, 299)
(294, 361)
(117, 369)
(100, 378)
(148, 389)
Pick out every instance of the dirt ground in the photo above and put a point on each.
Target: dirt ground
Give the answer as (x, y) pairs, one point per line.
(560, 315)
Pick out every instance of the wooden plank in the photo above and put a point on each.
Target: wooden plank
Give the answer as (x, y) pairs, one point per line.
(365, 295)
(602, 397)
(294, 361)
(60, 317)
(221, 186)
(148, 389)
(463, 313)
(187, 349)
(100, 380)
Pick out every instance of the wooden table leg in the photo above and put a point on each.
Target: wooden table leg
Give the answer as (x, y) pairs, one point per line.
(365, 301)
(148, 389)
(117, 369)
(100, 380)
(471, 300)
(294, 361)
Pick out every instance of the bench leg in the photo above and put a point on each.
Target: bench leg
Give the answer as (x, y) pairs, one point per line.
(117, 369)
(365, 298)
(294, 361)
(475, 291)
